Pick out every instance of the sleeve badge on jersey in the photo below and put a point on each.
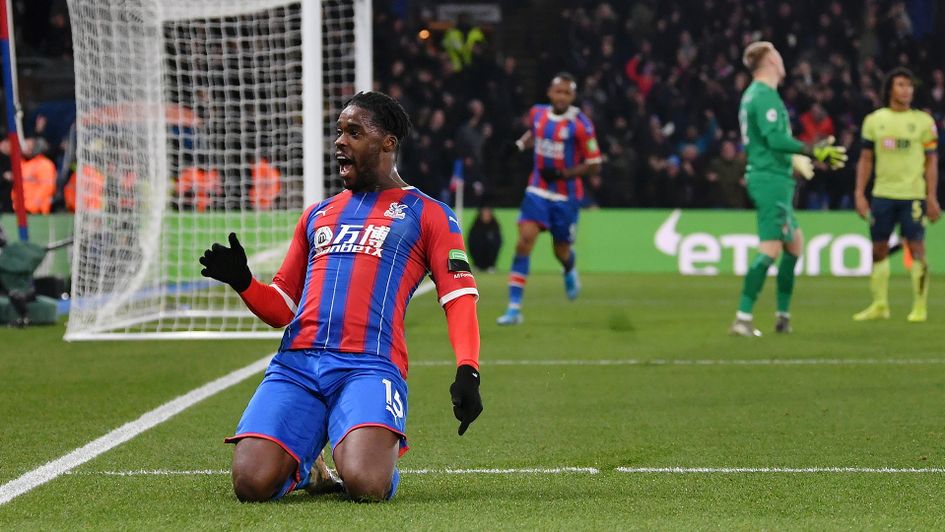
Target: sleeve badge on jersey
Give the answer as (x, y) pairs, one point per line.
(592, 145)
(458, 261)
(771, 115)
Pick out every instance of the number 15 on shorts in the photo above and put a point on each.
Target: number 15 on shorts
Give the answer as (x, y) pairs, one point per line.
(394, 405)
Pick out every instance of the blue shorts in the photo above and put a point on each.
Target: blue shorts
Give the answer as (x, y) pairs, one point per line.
(886, 213)
(558, 217)
(308, 398)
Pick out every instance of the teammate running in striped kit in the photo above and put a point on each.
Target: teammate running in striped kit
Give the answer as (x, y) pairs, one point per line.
(565, 149)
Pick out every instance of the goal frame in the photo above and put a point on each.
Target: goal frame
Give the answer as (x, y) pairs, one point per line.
(314, 146)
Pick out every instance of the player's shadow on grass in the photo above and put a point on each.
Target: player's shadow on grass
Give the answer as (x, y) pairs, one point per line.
(616, 321)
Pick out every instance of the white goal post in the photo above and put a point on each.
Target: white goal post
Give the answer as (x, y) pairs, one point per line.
(197, 118)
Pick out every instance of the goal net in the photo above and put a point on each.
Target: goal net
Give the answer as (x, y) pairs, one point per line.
(195, 119)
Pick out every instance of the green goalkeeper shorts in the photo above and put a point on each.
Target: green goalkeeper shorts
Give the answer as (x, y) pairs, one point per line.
(774, 201)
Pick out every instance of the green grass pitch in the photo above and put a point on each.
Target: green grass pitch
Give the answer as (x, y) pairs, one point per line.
(638, 373)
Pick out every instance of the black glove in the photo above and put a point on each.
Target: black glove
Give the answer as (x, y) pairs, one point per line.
(467, 405)
(227, 264)
(552, 174)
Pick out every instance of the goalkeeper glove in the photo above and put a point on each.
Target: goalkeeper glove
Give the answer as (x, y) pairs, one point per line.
(552, 174)
(467, 405)
(227, 264)
(825, 151)
(803, 166)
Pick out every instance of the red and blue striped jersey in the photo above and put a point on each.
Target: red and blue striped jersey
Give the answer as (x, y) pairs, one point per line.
(561, 141)
(355, 261)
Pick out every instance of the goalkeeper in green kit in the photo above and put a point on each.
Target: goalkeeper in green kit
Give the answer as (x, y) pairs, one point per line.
(772, 155)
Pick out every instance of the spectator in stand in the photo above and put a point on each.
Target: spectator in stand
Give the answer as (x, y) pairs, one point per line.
(198, 187)
(816, 125)
(616, 186)
(937, 95)
(92, 191)
(57, 40)
(839, 184)
(669, 188)
(640, 71)
(267, 182)
(724, 184)
(700, 141)
(39, 177)
(434, 153)
(470, 139)
(485, 239)
(690, 168)
(460, 40)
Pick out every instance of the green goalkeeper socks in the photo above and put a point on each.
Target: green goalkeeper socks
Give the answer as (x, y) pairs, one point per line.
(754, 280)
(786, 281)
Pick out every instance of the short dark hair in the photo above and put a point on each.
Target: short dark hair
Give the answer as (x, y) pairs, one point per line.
(387, 113)
(898, 72)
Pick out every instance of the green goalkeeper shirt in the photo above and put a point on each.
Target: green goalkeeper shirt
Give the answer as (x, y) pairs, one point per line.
(900, 142)
(766, 134)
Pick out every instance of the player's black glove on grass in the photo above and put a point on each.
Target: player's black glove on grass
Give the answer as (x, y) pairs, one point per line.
(227, 264)
(467, 405)
(552, 174)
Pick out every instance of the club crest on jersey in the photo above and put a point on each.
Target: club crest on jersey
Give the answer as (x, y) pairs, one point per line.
(323, 236)
(396, 211)
(352, 238)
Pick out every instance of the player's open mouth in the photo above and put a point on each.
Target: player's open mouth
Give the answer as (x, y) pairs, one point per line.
(344, 164)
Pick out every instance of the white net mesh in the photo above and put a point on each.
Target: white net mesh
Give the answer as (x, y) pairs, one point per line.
(191, 124)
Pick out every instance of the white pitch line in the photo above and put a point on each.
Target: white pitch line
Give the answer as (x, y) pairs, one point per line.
(152, 473)
(514, 471)
(129, 430)
(562, 470)
(699, 362)
(792, 470)
(447, 471)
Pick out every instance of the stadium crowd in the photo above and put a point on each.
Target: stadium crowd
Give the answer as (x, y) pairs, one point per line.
(661, 81)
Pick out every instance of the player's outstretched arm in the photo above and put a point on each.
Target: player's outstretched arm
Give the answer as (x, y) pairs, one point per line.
(525, 142)
(825, 151)
(227, 264)
(464, 336)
